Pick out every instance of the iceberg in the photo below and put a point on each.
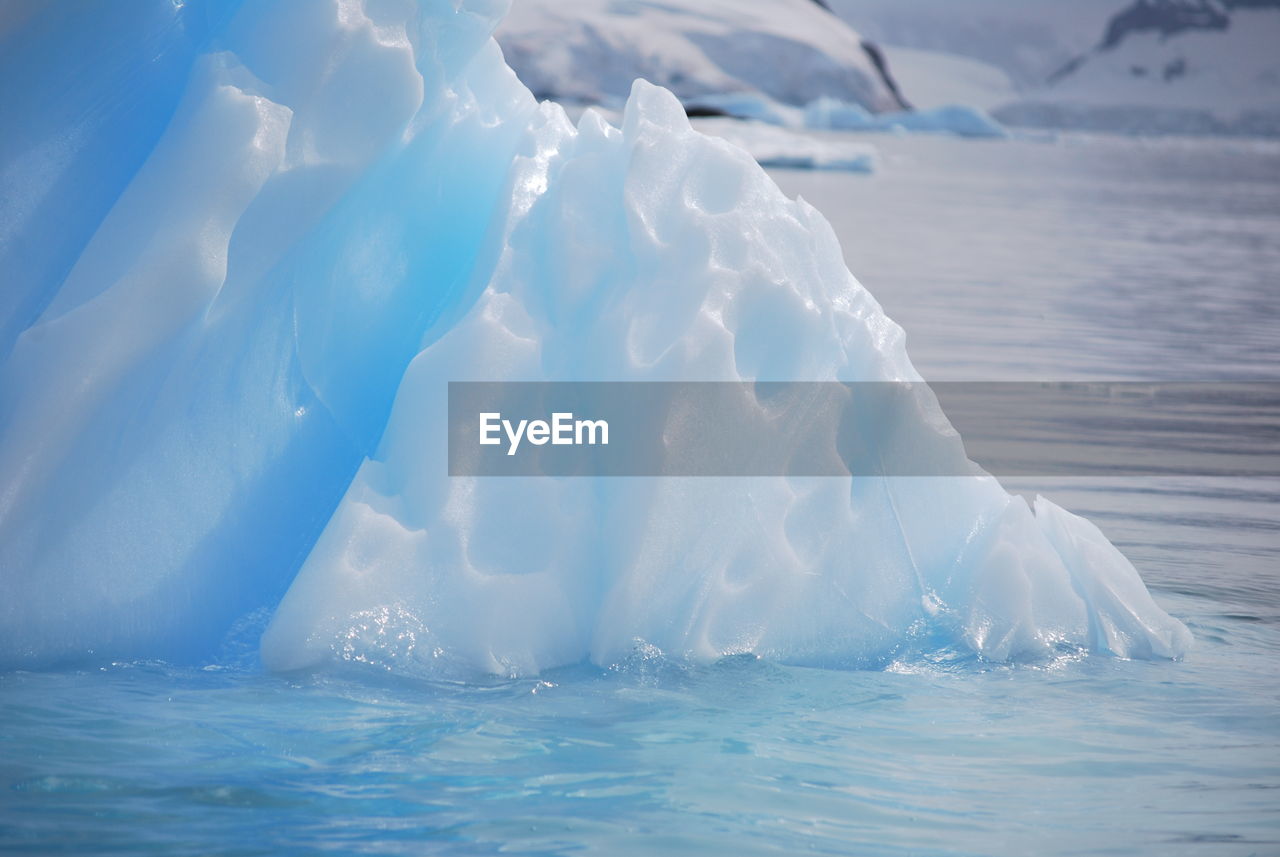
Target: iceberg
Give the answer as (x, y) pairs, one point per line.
(956, 119)
(226, 391)
(778, 147)
(748, 106)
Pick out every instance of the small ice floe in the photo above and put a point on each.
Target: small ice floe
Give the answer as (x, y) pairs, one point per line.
(779, 147)
(959, 120)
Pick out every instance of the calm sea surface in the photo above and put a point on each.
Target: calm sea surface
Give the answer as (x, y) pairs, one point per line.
(1079, 259)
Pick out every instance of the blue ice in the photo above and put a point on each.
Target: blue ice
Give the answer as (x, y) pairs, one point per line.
(239, 284)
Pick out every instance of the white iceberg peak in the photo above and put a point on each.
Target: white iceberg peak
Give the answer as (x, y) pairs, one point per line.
(659, 254)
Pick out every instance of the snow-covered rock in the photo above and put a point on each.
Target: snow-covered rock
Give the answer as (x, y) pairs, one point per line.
(763, 61)
(1169, 66)
(749, 106)
(1026, 40)
(590, 51)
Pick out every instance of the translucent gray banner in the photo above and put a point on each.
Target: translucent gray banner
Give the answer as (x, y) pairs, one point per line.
(863, 429)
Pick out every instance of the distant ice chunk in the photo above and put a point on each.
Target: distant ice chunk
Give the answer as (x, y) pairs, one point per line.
(778, 147)
(959, 120)
(832, 114)
(745, 105)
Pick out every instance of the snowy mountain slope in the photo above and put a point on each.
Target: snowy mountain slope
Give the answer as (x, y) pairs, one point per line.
(1146, 66)
(936, 79)
(1170, 17)
(1027, 39)
(590, 51)
(1170, 66)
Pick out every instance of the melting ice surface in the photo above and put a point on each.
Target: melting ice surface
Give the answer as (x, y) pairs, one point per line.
(233, 369)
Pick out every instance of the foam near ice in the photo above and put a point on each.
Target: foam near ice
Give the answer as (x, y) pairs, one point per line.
(244, 369)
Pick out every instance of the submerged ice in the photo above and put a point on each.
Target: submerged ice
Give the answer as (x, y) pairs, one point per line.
(231, 388)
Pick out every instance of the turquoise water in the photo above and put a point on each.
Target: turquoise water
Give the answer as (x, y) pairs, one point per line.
(1098, 258)
(1084, 756)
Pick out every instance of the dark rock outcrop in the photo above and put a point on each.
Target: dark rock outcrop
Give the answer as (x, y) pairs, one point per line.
(877, 57)
(1167, 17)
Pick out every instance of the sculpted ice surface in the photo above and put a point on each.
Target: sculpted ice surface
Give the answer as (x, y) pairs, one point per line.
(240, 348)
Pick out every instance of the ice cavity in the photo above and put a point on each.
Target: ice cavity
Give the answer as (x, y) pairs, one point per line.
(652, 252)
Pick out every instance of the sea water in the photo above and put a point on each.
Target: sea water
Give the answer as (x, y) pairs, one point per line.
(1098, 258)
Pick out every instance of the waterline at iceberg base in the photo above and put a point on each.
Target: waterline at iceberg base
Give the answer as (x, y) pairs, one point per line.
(244, 608)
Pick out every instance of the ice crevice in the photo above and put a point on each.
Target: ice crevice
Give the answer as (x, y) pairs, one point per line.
(260, 421)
